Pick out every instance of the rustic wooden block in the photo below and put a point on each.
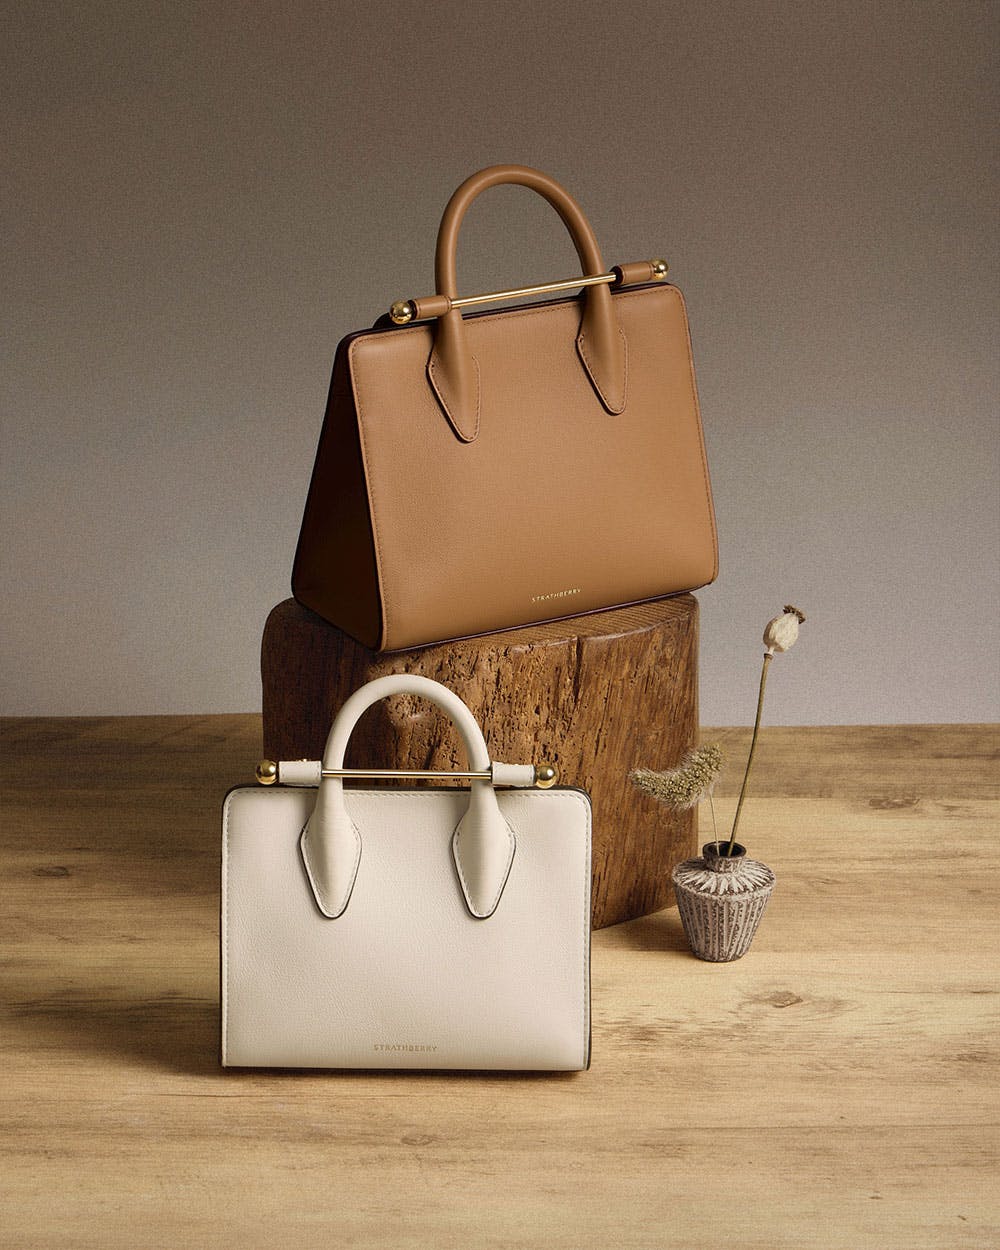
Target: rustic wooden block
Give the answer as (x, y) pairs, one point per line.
(595, 695)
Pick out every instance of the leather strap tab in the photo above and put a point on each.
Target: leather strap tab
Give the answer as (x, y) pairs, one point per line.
(519, 775)
(634, 274)
(430, 306)
(331, 850)
(299, 772)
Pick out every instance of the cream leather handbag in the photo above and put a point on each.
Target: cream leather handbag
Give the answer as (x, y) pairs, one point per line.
(406, 928)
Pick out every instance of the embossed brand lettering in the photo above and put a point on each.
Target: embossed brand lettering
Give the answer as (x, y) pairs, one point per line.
(383, 1046)
(556, 594)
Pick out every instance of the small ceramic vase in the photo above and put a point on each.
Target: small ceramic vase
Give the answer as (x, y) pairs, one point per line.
(721, 899)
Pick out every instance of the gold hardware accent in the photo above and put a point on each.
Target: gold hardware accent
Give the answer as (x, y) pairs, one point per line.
(402, 312)
(546, 288)
(267, 772)
(546, 776)
(403, 774)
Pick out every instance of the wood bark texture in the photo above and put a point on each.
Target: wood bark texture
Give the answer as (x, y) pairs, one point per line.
(596, 696)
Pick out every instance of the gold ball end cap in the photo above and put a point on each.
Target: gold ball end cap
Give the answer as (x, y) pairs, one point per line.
(267, 772)
(660, 268)
(546, 776)
(402, 312)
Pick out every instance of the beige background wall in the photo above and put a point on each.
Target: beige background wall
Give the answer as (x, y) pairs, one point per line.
(200, 199)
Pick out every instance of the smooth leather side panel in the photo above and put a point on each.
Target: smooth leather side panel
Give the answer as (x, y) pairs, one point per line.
(335, 572)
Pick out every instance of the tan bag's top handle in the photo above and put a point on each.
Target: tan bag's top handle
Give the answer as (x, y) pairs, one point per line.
(453, 370)
(569, 210)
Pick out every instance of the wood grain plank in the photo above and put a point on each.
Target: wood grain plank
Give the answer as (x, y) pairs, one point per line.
(258, 1175)
(845, 1072)
(881, 762)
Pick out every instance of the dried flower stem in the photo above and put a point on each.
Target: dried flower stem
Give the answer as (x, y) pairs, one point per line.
(768, 657)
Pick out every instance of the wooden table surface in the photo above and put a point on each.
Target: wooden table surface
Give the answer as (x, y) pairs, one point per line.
(838, 1087)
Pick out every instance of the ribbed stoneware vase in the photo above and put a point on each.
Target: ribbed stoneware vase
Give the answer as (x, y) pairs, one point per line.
(721, 899)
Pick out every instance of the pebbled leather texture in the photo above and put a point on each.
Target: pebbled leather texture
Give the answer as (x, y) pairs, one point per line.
(406, 977)
(543, 504)
(483, 843)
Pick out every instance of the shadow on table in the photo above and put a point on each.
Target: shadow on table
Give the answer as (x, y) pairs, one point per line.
(171, 1033)
(661, 931)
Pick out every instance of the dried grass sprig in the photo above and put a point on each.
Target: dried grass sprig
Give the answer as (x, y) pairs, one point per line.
(686, 785)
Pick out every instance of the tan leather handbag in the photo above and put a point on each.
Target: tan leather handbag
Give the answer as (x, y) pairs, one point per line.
(477, 473)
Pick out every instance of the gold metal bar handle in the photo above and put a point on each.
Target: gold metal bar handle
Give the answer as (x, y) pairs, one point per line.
(544, 288)
(403, 774)
(267, 774)
(404, 311)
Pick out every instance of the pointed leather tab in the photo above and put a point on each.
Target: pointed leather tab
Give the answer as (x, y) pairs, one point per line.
(453, 372)
(603, 350)
(483, 847)
(331, 851)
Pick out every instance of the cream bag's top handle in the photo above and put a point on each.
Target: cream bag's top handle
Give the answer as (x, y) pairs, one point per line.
(483, 843)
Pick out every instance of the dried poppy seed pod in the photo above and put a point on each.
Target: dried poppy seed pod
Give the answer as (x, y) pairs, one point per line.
(781, 633)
